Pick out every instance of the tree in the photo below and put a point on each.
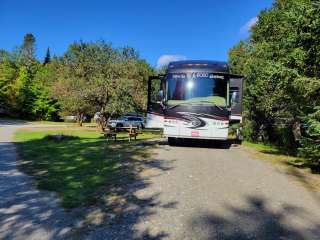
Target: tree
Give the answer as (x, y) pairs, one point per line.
(96, 77)
(27, 50)
(44, 106)
(47, 58)
(89, 77)
(4, 55)
(281, 63)
(238, 57)
(24, 85)
(310, 143)
(20, 92)
(8, 75)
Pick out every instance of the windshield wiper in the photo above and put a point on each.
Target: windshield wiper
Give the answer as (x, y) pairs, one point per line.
(195, 103)
(176, 105)
(203, 101)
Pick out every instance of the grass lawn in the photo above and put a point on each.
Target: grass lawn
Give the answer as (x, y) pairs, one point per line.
(65, 123)
(275, 154)
(52, 123)
(79, 167)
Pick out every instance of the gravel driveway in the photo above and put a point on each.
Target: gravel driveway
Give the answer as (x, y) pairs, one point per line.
(25, 212)
(184, 193)
(212, 193)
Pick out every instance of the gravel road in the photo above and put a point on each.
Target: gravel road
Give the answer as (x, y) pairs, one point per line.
(186, 192)
(25, 212)
(212, 193)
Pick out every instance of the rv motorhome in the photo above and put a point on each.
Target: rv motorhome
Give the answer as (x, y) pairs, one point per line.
(195, 99)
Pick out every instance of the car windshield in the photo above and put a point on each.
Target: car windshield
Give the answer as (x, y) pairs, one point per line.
(197, 88)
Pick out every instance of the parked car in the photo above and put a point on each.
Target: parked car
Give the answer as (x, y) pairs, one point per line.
(127, 121)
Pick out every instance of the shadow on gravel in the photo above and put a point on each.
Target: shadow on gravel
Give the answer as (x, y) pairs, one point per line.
(26, 213)
(7, 121)
(202, 143)
(256, 221)
(118, 215)
(308, 181)
(106, 177)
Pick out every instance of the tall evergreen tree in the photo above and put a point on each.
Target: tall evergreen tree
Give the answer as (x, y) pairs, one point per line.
(47, 59)
(27, 52)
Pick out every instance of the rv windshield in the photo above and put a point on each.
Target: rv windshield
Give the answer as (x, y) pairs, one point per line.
(196, 87)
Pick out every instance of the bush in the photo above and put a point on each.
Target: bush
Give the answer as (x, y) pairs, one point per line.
(247, 131)
(310, 142)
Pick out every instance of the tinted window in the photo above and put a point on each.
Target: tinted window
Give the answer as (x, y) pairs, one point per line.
(197, 87)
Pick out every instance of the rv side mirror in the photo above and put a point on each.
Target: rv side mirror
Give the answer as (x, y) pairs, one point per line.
(160, 96)
(234, 98)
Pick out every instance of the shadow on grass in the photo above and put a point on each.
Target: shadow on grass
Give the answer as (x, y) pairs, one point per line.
(95, 179)
(295, 161)
(256, 221)
(305, 164)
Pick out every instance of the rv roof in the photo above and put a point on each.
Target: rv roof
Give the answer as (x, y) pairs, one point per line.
(216, 66)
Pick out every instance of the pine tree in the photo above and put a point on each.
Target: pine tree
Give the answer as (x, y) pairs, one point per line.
(47, 59)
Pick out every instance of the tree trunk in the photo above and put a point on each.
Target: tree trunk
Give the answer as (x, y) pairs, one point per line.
(79, 119)
(296, 130)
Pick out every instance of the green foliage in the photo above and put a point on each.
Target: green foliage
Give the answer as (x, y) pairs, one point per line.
(97, 77)
(310, 143)
(89, 77)
(27, 51)
(23, 93)
(8, 74)
(281, 63)
(21, 89)
(43, 106)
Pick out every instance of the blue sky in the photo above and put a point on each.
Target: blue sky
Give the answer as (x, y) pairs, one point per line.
(160, 30)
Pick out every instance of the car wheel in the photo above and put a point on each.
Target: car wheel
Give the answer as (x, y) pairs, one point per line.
(119, 125)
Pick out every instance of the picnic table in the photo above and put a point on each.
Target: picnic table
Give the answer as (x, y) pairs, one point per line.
(110, 132)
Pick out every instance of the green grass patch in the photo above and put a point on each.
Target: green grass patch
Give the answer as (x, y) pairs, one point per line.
(278, 155)
(52, 122)
(79, 166)
(64, 123)
(274, 153)
(261, 147)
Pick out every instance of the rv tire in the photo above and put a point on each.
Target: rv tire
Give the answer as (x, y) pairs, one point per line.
(171, 141)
